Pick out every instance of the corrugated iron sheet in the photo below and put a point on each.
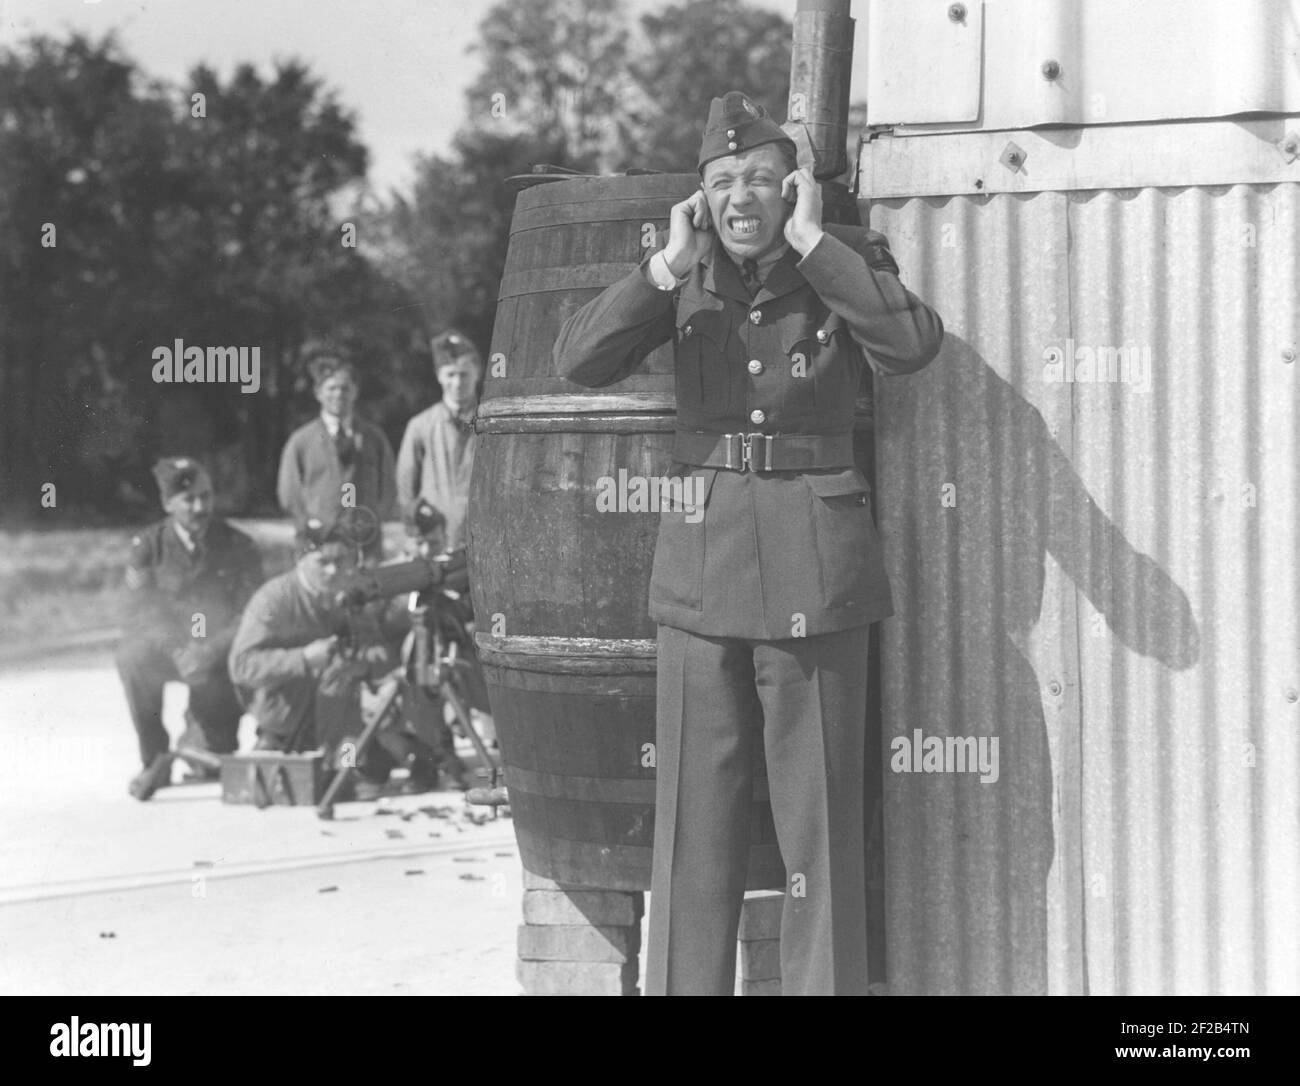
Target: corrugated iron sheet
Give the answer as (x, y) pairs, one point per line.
(1013, 64)
(1102, 574)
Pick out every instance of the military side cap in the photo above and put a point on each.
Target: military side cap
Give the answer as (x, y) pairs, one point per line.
(176, 474)
(737, 123)
(451, 346)
(313, 533)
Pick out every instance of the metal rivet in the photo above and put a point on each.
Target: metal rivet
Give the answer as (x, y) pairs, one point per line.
(1288, 355)
(1051, 70)
(1013, 156)
(1054, 688)
(957, 13)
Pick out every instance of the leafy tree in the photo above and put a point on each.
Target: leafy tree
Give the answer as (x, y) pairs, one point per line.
(692, 53)
(90, 162)
(550, 71)
(215, 215)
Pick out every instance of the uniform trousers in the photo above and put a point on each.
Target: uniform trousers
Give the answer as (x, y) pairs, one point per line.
(145, 663)
(805, 699)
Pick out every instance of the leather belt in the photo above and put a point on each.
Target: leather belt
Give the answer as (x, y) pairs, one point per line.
(763, 452)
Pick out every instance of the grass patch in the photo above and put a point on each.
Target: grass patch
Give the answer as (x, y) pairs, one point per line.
(70, 580)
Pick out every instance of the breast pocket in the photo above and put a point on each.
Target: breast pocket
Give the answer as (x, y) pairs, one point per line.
(678, 575)
(848, 549)
(823, 352)
(702, 374)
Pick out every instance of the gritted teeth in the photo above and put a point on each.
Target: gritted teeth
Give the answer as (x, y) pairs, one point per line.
(743, 224)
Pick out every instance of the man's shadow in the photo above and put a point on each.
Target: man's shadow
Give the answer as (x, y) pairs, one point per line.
(975, 497)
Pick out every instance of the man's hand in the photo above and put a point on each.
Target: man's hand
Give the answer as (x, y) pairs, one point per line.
(803, 229)
(319, 653)
(690, 234)
(192, 662)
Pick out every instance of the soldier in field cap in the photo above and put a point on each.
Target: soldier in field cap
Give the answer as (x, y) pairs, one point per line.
(764, 605)
(436, 457)
(188, 578)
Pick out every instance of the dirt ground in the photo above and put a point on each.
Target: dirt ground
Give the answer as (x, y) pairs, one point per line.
(102, 894)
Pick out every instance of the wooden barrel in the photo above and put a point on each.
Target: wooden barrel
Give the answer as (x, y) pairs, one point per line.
(561, 589)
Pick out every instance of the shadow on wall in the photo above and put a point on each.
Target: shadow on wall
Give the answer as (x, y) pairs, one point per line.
(968, 862)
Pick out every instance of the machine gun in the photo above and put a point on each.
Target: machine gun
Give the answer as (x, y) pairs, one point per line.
(437, 659)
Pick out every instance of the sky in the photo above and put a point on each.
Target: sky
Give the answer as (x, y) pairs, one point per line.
(401, 65)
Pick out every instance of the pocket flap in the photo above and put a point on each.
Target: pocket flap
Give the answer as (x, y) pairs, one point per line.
(804, 328)
(688, 490)
(709, 323)
(837, 483)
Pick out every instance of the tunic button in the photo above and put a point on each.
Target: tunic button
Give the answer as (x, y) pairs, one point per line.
(756, 417)
(755, 366)
(731, 133)
(755, 316)
(687, 330)
(822, 335)
(731, 146)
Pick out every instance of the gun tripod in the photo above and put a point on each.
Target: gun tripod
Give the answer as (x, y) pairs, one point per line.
(432, 667)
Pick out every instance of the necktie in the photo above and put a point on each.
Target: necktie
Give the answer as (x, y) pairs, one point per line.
(749, 275)
(344, 446)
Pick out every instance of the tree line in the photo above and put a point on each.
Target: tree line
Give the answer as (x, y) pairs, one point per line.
(235, 212)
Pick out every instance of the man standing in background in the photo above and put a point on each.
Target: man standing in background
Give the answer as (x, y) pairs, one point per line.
(189, 577)
(436, 457)
(338, 461)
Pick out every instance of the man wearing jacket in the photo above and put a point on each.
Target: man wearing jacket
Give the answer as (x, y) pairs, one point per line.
(436, 457)
(338, 461)
(290, 669)
(188, 578)
(764, 602)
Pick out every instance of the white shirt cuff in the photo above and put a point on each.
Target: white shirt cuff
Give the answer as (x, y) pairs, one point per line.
(661, 276)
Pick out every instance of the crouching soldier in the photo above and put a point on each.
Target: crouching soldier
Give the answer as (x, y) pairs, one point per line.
(188, 578)
(291, 669)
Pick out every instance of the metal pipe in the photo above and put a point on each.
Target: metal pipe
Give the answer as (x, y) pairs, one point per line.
(821, 65)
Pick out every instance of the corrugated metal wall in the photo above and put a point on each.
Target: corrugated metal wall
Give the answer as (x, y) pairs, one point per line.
(1103, 575)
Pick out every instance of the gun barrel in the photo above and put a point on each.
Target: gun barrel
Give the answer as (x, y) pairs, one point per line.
(396, 579)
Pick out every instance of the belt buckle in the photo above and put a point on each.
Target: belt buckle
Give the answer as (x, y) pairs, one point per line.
(747, 452)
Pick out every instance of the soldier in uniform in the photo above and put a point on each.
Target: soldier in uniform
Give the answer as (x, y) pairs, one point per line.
(436, 456)
(290, 668)
(338, 460)
(764, 602)
(189, 577)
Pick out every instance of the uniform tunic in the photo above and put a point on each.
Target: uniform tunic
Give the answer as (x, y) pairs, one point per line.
(777, 548)
(764, 601)
(183, 601)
